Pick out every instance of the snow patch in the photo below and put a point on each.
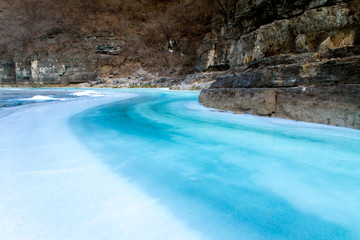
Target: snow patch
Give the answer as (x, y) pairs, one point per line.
(89, 93)
(40, 98)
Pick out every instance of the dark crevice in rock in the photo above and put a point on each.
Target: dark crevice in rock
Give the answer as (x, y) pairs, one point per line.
(218, 67)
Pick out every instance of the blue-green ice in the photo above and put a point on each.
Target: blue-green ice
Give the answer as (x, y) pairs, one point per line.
(155, 164)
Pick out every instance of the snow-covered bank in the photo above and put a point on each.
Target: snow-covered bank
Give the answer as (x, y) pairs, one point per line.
(52, 187)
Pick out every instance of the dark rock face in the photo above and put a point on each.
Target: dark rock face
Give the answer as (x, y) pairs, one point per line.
(297, 60)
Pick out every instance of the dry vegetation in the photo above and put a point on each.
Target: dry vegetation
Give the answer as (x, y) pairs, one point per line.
(156, 35)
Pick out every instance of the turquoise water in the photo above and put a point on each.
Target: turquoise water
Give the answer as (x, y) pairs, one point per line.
(230, 176)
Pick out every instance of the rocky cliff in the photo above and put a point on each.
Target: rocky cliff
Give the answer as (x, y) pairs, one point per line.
(101, 42)
(291, 59)
(67, 59)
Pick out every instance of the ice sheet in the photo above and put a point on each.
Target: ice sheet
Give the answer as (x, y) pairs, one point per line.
(87, 93)
(161, 166)
(232, 176)
(52, 187)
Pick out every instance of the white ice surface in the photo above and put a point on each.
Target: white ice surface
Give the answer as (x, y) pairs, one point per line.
(40, 98)
(87, 93)
(52, 187)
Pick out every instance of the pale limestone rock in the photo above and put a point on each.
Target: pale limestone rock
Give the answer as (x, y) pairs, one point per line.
(326, 44)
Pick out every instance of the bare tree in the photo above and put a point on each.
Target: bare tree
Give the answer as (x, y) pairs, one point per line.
(31, 8)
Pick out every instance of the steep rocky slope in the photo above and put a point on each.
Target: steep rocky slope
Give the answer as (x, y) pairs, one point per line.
(106, 42)
(290, 59)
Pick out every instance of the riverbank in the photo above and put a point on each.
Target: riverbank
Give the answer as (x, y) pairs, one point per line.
(139, 79)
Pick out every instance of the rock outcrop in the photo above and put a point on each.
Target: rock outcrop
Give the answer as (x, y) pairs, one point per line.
(66, 61)
(46, 69)
(290, 59)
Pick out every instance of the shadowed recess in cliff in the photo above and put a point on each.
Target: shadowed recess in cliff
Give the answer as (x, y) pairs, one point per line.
(229, 176)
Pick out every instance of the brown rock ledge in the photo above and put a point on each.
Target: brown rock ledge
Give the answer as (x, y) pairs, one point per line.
(333, 105)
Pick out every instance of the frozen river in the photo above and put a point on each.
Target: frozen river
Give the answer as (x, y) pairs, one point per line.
(155, 164)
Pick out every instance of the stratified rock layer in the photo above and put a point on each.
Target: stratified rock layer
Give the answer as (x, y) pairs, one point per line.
(301, 62)
(334, 105)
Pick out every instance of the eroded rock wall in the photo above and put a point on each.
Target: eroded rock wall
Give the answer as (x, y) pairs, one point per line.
(46, 69)
(67, 60)
(292, 59)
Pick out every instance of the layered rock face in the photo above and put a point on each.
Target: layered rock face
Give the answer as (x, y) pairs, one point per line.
(46, 69)
(67, 61)
(290, 59)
